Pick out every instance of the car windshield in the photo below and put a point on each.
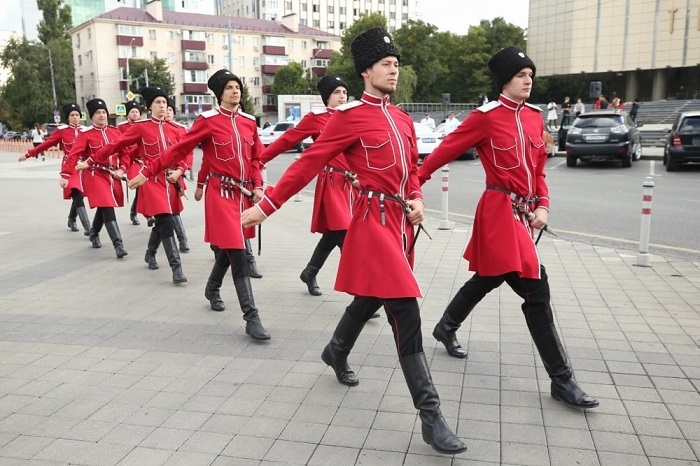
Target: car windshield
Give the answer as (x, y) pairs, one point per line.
(283, 126)
(690, 125)
(598, 122)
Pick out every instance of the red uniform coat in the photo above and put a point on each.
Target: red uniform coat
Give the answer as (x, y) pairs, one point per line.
(184, 165)
(231, 150)
(334, 192)
(103, 189)
(379, 143)
(131, 152)
(508, 138)
(151, 138)
(64, 137)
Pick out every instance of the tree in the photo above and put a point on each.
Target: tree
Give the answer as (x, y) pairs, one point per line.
(27, 96)
(247, 101)
(157, 72)
(416, 42)
(289, 79)
(500, 34)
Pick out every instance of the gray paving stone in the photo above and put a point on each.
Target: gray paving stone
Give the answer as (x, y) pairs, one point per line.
(525, 454)
(617, 442)
(151, 456)
(328, 454)
(669, 448)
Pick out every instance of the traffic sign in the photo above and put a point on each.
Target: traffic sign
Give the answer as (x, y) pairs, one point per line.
(130, 96)
(120, 110)
(57, 118)
(83, 116)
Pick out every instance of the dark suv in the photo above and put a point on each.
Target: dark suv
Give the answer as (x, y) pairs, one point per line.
(683, 141)
(605, 135)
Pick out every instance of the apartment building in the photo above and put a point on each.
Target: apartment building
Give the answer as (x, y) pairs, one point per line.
(333, 16)
(83, 10)
(194, 47)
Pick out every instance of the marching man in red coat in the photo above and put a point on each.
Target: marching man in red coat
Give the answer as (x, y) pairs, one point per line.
(376, 266)
(507, 134)
(185, 164)
(334, 191)
(152, 137)
(104, 181)
(64, 136)
(133, 114)
(231, 170)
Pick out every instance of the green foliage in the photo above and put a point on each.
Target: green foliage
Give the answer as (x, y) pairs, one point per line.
(290, 79)
(27, 96)
(500, 34)
(247, 101)
(416, 42)
(406, 86)
(158, 74)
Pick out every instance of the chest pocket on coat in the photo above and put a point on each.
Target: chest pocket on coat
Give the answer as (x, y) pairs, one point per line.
(151, 148)
(94, 146)
(505, 153)
(379, 152)
(248, 144)
(535, 148)
(223, 149)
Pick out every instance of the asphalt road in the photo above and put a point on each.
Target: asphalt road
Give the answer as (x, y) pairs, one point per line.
(595, 203)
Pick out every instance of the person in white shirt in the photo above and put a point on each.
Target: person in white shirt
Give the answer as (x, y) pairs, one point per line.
(37, 136)
(428, 121)
(451, 123)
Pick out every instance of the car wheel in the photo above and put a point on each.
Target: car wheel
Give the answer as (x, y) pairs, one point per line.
(638, 152)
(627, 160)
(570, 161)
(468, 155)
(665, 160)
(671, 165)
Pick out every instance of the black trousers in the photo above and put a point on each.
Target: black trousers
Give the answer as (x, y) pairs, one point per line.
(234, 258)
(103, 215)
(403, 315)
(78, 201)
(332, 239)
(534, 292)
(164, 225)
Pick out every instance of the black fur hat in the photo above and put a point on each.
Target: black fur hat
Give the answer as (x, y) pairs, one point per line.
(171, 104)
(94, 105)
(149, 94)
(130, 105)
(217, 82)
(68, 108)
(370, 47)
(328, 84)
(507, 62)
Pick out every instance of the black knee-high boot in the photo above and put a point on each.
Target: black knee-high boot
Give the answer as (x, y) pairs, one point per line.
(116, 237)
(72, 214)
(97, 223)
(446, 329)
(179, 228)
(84, 220)
(563, 388)
(152, 249)
(173, 256)
(213, 289)
(318, 258)
(336, 352)
(253, 326)
(435, 430)
(133, 216)
(250, 258)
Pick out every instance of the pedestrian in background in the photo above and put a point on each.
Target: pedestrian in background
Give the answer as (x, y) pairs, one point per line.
(376, 266)
(579, 107)
(428, 121)
(37, 136)
(133, 114)
(552, 116)
(634, 109)
(507, 134)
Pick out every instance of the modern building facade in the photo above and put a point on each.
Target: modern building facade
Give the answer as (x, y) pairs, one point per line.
(333, 16)
(83, 10)
(194, 47)
(646, 49)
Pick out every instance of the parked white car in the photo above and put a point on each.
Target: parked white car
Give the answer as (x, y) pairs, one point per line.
(272, 133)
(428, 140)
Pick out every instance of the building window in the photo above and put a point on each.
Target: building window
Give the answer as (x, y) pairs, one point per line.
(241, 61)
(287, 6)
(331, 24)
(154, 56)
(290, 44)
(303, 22)
(303, 45)
(331, 9)
(195, 76)
(89, 33)
(171, 57)
(241, 40)
(211, 59)
(171, 36)
(152, 34)
(392, 15)
(342, 26)
(342, 9)
(128, 30)
(255, 81)
(210, 38)
(77, 41)
(317, 23)
(303, 7)
(227, 63)
(80, 60)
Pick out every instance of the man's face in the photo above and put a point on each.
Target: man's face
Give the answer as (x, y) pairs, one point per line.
(133, 115)
(338, 97)
(99, 118)
(519, 86)
(74, 118)
(170, 114)
(159, 107)
(382, 77)
(231, 96)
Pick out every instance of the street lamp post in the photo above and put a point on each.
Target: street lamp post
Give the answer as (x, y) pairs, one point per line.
(53, 81)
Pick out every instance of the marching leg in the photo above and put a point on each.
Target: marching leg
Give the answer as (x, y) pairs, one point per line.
(152, 249)
(133, 216)
(72, 214)
(116, 237)
(97, 223)
(252, 264)
(336, 352)
(180, 232)
(318, 258)
(213, 289)
(174, 259)
(253, 326)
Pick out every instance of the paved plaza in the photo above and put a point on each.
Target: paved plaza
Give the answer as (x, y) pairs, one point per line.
(105, 362)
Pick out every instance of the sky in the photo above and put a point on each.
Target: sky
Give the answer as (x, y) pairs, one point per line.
(457, 15)
(448, 15)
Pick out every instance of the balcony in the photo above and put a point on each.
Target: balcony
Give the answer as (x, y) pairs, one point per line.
(269, 108)
(267, 89)
(319, 70)
(135, 41)
(322, 53)
(122, 85)
(193, 44)
(269, 69)
(273, 50)
(195, 65)
(194, 88)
